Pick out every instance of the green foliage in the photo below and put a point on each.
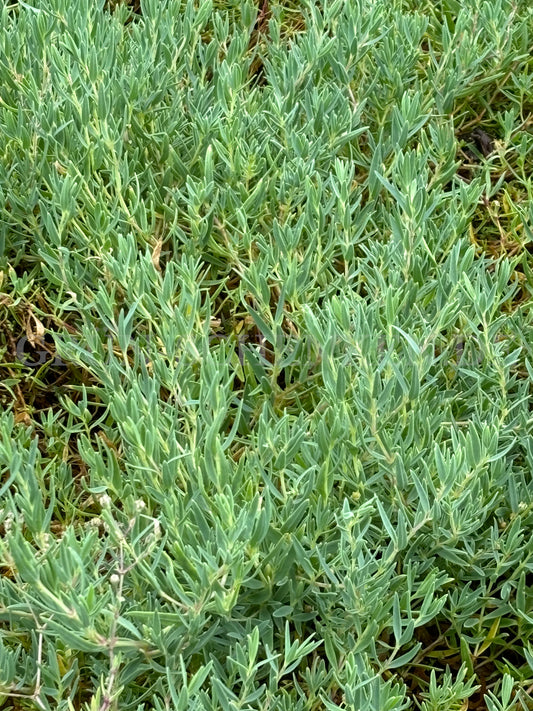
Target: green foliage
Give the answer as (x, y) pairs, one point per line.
(266, 439)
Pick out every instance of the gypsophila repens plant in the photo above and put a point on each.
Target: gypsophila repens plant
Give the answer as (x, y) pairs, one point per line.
(266, 351)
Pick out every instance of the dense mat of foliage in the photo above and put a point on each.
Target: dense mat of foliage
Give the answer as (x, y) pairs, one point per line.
(267, 353)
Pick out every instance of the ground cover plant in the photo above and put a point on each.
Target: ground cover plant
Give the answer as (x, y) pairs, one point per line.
(266, 438)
